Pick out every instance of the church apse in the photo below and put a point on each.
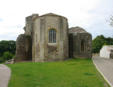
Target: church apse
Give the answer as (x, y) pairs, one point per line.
(48, 38)
(52, 34)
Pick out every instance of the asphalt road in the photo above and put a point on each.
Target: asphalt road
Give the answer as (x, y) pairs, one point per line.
(5, 73)
(105, 67)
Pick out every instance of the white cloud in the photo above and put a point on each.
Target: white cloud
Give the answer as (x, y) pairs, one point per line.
(85, 13)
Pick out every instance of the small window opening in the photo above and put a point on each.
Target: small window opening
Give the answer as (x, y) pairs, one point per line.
(52, 36)
(82, 46)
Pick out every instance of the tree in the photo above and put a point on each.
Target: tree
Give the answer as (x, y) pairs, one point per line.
(7, 50)
(7, 46)
(99, 41)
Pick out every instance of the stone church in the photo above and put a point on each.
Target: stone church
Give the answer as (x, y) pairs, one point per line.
(49, 38)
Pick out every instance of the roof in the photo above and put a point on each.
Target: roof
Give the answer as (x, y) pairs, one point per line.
(108, 47)
(77, 30)
(52, 14)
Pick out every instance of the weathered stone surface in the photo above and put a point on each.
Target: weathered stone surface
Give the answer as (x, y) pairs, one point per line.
(50, 51)
(29, 24)
(23, 48)
(11, 61)
(67, 42)
(80, 43)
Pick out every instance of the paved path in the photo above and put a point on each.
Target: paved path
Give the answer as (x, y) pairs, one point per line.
(4, 75)
(105, 67)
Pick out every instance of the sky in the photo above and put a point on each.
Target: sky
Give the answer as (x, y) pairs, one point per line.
(92, 15)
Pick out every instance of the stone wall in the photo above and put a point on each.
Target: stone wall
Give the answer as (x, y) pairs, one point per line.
(80, 44)
(29, 24)
(34, 44)
(81, 51)
(42, 50)
(23, 48)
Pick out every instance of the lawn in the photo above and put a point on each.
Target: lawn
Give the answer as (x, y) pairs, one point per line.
(69, 73)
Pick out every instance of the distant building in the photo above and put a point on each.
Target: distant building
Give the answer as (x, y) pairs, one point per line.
(48, 38)
(106, 51)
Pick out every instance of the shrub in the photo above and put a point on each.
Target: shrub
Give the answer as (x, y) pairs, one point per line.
(7, 56)
(1, 59)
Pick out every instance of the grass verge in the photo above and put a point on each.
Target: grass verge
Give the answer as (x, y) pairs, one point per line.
(69, 73)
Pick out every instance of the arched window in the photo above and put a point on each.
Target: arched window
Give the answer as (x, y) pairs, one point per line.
(82, 46)
(52, 36)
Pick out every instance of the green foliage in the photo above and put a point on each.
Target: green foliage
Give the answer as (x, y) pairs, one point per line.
(7, 46)
(70, 73)
(7, 56)
(7, 50)
(2, 59)
(99, 41)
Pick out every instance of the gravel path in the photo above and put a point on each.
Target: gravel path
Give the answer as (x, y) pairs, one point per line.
(5, 73)
(105, 67)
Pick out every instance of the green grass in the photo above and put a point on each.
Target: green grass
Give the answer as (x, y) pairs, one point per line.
(69, 73)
